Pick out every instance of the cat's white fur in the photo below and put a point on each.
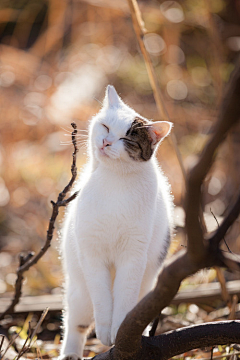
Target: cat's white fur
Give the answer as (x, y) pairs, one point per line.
(120, 223)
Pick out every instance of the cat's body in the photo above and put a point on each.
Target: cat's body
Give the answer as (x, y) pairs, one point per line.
(120, 223)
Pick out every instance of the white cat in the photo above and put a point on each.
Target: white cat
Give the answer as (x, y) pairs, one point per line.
(117, 232)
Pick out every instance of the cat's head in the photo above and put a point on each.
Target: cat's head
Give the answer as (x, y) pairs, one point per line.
(117, 132)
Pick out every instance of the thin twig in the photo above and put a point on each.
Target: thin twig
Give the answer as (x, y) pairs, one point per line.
(212, 353)
(140, 31)
(29, 260)
(1, 345)
(14, 337)
(40, 321)
(227, 222)
(31, 334)
(218, 226)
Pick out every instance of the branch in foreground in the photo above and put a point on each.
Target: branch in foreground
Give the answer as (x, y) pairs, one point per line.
(182, 340)
(179, 341)
(29, 260)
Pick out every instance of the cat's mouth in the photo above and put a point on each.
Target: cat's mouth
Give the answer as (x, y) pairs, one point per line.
(102, 151)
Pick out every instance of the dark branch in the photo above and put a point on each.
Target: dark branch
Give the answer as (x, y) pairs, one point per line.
(223, 237)
(182, 340)
(179, 341)
(229, 114)
(30, 260)
(169, 280)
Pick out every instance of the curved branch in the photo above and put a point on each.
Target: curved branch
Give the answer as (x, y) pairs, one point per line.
(229, 114)
(182, 340)
(175, 270)
(179, 341)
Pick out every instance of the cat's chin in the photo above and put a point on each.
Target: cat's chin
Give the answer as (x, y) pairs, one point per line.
(101, 151)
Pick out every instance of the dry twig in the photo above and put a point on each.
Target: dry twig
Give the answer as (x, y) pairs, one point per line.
(140, 31)
(30, 259)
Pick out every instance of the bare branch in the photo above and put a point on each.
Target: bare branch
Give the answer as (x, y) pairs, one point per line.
(179, 341)
(140, 31)
(175, 270)
(182, 340)
(218, 226)
(29, 260)
(228, 116)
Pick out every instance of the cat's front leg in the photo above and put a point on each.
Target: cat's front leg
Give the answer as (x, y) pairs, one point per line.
(127, 284)
(98, 281)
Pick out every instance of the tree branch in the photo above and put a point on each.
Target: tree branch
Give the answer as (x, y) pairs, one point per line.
(179, 341)
(182, 340)
(140, 31)
(175, 270)
(228, 116)
(29, 260)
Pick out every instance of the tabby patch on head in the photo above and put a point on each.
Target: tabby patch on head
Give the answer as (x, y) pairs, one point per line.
(138, 141)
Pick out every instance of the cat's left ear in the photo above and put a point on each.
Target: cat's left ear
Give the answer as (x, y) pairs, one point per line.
(111, 96)
(159, 130)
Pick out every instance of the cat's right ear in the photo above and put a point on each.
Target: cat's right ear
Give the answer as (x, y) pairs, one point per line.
(111, 97)
(159, 130)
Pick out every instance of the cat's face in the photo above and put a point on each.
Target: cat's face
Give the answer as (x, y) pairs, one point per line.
(119, 133)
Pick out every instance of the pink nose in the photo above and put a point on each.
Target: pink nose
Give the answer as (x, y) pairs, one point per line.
(106, 143)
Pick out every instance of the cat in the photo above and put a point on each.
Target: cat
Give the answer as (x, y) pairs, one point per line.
(117, 231)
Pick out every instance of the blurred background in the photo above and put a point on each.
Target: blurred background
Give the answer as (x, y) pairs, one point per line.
(56, 58)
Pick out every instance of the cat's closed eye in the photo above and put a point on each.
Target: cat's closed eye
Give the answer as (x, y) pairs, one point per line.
(106, 127)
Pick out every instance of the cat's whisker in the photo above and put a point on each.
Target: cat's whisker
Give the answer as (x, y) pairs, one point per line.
(82, 143)
(79, 144)
(79, 140)
(77, 135)
(70, 132)
(82, 146)
(98, 101)
(65, 143)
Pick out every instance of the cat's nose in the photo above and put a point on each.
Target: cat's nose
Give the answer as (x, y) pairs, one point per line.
(106, 142)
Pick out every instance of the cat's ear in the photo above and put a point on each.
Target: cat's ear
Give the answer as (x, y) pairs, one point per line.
(111, 96)
(159, 130)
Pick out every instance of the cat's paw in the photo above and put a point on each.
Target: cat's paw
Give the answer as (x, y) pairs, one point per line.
(71, 356)
(103, 333)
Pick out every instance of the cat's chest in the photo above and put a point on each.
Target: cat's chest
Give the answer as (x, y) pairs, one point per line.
(113, 204)
(112, 197)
